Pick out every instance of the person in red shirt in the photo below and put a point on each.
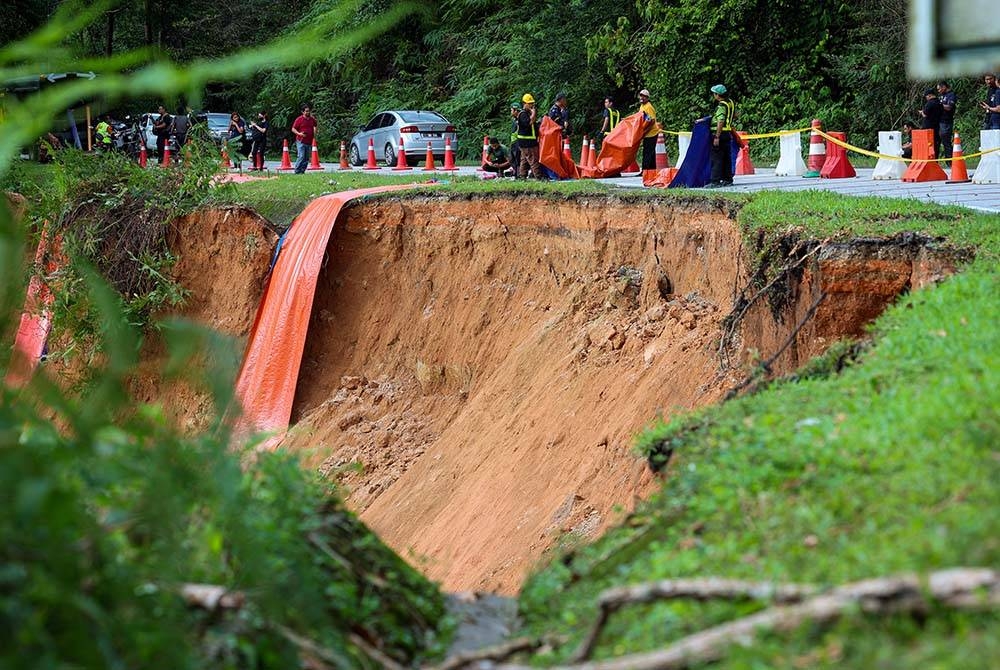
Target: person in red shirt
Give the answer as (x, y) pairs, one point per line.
(304, 129)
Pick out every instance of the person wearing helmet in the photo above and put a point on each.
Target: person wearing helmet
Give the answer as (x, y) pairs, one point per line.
(515, 151)
(559, 112)
(722, 126)
(527, 138)
(649, 139)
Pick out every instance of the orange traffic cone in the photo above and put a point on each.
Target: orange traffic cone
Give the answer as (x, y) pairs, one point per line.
(744, 165)
(370, 164)
(486, 149)
(142, 156)
(631, 168)
(592, 156)
(449, 156)
(286, 164)
(401, 158)
(585, 153)
(314, 161)
(662, 160)
(226, 163)
(567, 152)
(344, 164)
(429, 161)
(166, 155)
(817, 150)
(260, 161)
(959, 174)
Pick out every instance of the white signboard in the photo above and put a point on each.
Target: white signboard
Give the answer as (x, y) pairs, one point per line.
(950, 38)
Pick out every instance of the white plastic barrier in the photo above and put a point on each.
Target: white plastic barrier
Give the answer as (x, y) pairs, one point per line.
(890, 143)
(988, 171)
(790, 163)
(683, 142)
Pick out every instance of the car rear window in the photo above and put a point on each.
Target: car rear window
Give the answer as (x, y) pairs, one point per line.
(422, 117)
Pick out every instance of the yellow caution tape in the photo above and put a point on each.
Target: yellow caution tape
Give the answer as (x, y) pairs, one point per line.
(779, 133)
(875, 154)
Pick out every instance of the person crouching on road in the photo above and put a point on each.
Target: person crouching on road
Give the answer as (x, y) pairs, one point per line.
(497, 158)
(104, 133)
(649, 139)
(304, 129)
(722, 126)
(527, 139)
(515, 150)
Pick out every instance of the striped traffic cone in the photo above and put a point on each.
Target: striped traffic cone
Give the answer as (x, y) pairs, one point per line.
(314, 161)
(401, 158)
(344, 164)
(959, 173)
(429, 161)
(662, 160)
(567, 152)
(286, 163)
(585, 153)
(486, 150)
(226, 163)
(592, 156)
(449, 156)
(744, 165)
(817, 151)
(371, 163)
(142, 156)
(166, 155)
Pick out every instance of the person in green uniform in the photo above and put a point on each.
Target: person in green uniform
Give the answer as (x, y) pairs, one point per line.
(497, 157)
(722, 126)
(104, 134)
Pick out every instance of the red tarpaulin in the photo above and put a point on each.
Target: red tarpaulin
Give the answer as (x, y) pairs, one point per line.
(270, 370)
(36, 319)
(551, 154)
(620, 147)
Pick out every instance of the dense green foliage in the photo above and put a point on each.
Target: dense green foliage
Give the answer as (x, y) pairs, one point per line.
(786, 62)
(886, 465)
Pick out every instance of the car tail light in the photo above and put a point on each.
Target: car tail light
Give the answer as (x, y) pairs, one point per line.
(449, 129)
(409, 129)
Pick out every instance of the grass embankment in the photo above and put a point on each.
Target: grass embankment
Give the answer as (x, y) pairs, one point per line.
(890, 465)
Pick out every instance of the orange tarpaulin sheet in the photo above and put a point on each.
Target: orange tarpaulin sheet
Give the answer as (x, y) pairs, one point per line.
(266, 383)
(550, 154)
(36, 319)
(620, 146)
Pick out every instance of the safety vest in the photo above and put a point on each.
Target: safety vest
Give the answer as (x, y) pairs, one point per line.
(532, 136)
(730, 113)
(614, 116)
(103, 133)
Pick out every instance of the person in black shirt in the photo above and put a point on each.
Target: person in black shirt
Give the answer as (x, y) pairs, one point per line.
(258, 140)
(161, 129)
(992, 103)
(931, 115)
(559, 113)
(946, 128)
(907, 137)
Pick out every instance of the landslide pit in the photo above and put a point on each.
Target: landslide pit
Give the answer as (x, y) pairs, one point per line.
(486, 361)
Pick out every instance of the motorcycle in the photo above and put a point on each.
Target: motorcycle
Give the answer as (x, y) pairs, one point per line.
(129, 137)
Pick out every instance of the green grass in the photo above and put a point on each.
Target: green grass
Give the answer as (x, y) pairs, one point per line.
(891, 465)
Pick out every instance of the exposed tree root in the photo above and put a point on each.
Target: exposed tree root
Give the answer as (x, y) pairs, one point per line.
(500, 652)
(956, 588)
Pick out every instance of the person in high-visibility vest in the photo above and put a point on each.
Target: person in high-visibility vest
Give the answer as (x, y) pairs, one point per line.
(611, 116)
(722, 126)
(527, 139)
(649, 139)
(104, 133)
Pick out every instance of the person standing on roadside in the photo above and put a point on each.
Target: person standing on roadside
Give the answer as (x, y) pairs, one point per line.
(304, 129)
(515, 151)
(559, 112)
(181, 125)
(992, 103)
(237, 137)
(946, 128)
(931, 115)
(722, 126)
(161, 129)
(611, 117)
(527, 139)
(649, 139)
(258, 137)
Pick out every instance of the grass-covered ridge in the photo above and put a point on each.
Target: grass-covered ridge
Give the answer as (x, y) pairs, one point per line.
(890, 465)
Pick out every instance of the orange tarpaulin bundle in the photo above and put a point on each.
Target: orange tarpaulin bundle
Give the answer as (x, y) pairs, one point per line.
(550, 154)
(620, 146)
(270, 370)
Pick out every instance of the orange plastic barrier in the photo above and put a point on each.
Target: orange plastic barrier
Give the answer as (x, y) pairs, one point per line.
(550, 154)
(923, 167)
(270, 370)
(36, 319)
(620, 147)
